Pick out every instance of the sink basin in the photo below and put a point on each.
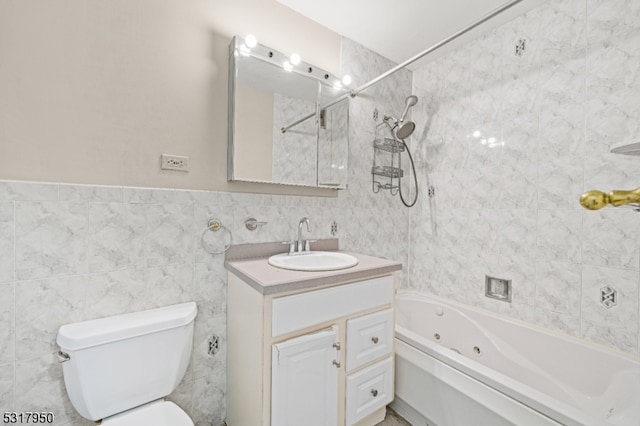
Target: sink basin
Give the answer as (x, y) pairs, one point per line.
(314, 261)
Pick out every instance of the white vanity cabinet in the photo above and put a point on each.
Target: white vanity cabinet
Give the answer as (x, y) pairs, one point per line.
(313, 357)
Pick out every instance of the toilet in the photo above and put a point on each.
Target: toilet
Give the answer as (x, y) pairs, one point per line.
(119, 369)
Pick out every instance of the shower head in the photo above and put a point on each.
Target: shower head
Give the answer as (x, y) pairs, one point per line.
(409, 102)
(400, 129)
(405, 130)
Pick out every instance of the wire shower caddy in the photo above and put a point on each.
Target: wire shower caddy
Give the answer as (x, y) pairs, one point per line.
(386, 171)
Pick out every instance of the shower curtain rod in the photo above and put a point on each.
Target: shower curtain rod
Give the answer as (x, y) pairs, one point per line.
(436, 46)
(355, 92)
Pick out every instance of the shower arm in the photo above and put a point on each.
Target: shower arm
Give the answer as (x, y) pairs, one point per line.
(388, 118)
(355, 92)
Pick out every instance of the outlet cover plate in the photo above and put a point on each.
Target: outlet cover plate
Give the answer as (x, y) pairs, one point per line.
(174, 162)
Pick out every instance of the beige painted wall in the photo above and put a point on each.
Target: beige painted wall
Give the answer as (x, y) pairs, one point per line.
(93, 91)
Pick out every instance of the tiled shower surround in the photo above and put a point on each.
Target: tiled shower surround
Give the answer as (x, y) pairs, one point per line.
(508, 142)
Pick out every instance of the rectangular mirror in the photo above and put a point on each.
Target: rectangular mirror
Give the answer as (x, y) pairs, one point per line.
(287, 124)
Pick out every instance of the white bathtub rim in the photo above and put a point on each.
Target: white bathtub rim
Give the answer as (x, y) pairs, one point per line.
(515, 412)
(571, 396)
(616, 356)
(615, 352)
(532, 398)
(580, 407)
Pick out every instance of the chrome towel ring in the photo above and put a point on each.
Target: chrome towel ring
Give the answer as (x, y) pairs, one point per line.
(215, 225)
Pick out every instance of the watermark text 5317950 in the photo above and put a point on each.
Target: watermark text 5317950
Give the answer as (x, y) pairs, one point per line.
(28, 417)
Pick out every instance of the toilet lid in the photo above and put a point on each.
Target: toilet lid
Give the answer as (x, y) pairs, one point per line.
(157, 413)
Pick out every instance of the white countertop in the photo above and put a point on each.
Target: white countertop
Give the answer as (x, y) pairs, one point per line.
(269, 280)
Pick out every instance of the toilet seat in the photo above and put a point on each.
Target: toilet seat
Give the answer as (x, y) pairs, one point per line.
(157, 413)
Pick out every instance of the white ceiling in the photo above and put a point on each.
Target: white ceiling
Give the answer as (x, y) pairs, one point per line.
(400, 29)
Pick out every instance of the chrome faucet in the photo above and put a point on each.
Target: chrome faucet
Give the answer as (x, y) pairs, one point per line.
(301, 246)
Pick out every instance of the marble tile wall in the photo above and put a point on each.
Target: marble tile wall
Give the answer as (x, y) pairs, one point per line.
(76, 252)
(510, 142)
(71, 253)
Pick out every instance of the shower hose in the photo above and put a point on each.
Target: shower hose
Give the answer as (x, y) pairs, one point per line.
(413, 172)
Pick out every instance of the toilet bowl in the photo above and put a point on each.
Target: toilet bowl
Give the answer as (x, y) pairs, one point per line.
(156, 413)
(119, 369)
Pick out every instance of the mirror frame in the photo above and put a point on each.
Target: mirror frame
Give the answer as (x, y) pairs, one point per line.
(326, 83)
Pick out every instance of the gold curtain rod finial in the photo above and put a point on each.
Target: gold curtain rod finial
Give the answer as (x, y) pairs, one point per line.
(595, 200)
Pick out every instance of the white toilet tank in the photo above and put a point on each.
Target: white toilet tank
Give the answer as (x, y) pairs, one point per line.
(118, 363)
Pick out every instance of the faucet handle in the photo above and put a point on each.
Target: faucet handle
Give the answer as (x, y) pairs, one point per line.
(307, 244)
(292, 246)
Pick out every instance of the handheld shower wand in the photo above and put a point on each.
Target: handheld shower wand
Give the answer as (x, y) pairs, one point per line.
(409, 102)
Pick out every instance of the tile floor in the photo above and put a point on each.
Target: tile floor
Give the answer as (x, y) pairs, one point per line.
(393, 419)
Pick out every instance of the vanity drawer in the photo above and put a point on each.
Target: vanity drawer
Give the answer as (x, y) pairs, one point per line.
(369, 337)
(368, 390)
(302, 310)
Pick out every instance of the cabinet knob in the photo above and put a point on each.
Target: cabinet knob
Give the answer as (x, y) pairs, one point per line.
(374, 339)
(336, 363)
(374, 392)
(337, 345)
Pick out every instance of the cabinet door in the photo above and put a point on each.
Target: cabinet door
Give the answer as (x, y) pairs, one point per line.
(304, 380)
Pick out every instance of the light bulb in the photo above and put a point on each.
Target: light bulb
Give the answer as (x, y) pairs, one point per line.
(287, 66)
(337, 85)
(294, 59)
(346, 79)
(251, 41)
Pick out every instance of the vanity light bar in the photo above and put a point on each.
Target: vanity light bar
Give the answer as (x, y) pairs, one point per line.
(279, 59)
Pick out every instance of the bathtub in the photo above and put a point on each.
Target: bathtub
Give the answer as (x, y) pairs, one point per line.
(458, 366)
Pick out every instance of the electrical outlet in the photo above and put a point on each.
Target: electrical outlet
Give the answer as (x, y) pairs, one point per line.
(214, 345)
(174, 162)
